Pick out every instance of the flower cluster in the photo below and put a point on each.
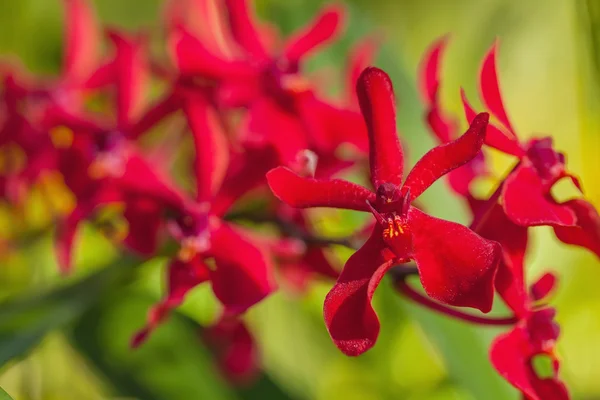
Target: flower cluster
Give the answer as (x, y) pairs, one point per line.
(254, 120)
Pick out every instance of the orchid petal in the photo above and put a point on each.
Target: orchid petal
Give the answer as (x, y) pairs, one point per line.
(243, 274)
(181, 278)
(490, 89)
(586, 232)
(243, 27)
(82, 40)
(512, 354)
(193, 58)
(211, 146)
(376, 98)
(513, 238)
(322, 30)
(302, 192)
(527, 203)
(349, 316)
(65, 238)
(456, 265)
(132, 73)
(429, 70)
(446, 157)
(494, 137)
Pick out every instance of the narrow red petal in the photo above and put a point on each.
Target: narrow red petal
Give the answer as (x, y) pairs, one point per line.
(243, 27)
(132, 74)
(82, 40)
(349, 316)
(528, 203)
(377, 103)
(429, 70)
(193, 58)
(494, 137)
(543, 287)
(269, 122)
(361, 56)
(586, 232)
(447, 157)
(211, 147)
(456, 266)
(322, 30)
(490, 89)
(157, 112)
(244, 274)
(302, 192)
(513, 238)
(141, 179)
(65, 238)
(181, 278)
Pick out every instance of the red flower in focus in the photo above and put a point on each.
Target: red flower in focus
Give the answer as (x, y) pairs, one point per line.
(445, 128)
(526, 195)
(455, 265)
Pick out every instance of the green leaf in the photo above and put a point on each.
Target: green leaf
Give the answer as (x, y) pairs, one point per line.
(4, 395)
(26, 321)
(173, 364)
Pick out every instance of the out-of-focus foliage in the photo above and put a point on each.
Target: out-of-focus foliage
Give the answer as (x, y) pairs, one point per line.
(550, 85)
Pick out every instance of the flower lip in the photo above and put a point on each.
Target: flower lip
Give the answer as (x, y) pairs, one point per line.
(549, 164)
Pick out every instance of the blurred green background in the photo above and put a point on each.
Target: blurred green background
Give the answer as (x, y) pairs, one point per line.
(550, 82)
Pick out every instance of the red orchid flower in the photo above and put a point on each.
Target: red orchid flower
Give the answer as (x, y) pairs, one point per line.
(242, 272)
(445, 128)
(515, 353)
(24, 97)
(526, 193)
(456, 266)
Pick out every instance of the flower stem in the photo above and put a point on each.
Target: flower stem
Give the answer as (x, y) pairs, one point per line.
(404, 288)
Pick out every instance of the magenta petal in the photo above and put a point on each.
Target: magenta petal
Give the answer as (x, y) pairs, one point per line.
(527, 202)
(243, 28)
(456, 266)
(325, 26)
(82, 41)
(586, 232)
(494, 137)
(446, 157)
(302, 192)
(244, 274)
(132, 73)
(376, 98)
(211, 146)
(490, 90)
(155, 114)
(349, 316)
